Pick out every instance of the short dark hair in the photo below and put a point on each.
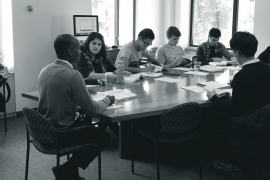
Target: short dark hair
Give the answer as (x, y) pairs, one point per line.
(62, 43)
(91, 37)
(173, 31)
(215, 32)
(244, 42)
(147, 33)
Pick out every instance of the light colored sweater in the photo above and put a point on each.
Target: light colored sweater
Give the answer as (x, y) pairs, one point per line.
(62, 90)
(169, 54)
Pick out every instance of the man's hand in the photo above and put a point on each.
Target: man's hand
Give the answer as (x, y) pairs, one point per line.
(210, 94)
(111, 98)
(189, 65)
(149, 68)
(177, 62)
(127, 73)
(216, 59)
(92, 91)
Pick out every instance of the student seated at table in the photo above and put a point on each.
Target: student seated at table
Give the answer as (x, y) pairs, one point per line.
(250, 91)
(212, 50)
(265, 56)
(171, 55)
(62, 90)
(132, 52)
(93, 62)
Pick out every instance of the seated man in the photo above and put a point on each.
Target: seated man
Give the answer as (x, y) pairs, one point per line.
(212, 50)
(250, 92)
(132, 52)
(265, 56)
(170, 55)
(62, 90)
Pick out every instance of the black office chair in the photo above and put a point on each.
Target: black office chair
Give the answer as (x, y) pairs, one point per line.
(251, 134)
(3, 100)
(177, 125)
(43, 133)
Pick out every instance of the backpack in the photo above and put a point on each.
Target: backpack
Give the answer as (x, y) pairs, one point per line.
(3, 101)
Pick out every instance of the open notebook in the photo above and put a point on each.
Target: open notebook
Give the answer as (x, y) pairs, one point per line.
(119, 94)
(132, 78)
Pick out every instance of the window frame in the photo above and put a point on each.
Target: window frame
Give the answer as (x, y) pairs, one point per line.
(117, 5)
(234, 20)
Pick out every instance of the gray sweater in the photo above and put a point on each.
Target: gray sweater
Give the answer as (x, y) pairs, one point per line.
(62, 90)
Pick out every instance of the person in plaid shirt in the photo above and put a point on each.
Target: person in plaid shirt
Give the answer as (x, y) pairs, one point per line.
(212, 50)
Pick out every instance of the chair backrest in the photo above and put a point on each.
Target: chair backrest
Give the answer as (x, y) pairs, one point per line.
(40, 129)
(181, 119)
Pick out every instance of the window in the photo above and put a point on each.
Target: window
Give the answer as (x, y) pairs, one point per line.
(116, 19)
(229, 16)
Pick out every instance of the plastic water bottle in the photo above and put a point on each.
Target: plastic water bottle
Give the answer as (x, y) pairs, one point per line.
(120, 72)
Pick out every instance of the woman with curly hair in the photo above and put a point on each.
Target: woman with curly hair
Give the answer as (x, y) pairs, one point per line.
(93, 63)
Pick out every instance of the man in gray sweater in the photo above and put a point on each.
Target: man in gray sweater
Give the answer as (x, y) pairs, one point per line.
(62, 90)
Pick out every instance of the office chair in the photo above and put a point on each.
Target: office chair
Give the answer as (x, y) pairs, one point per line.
(42, 133)
(250, 136)
(3, 100)
(176, 126)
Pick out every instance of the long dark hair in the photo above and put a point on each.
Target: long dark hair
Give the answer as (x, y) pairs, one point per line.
(85, 48)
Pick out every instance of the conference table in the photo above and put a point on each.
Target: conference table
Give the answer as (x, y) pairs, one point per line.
(153, 98)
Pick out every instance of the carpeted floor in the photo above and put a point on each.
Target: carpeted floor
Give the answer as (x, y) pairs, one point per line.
(175, 164)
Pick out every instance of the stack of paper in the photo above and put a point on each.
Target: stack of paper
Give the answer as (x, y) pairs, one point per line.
(222, 63)
(119, 94)
(209, 68)
(196, 73)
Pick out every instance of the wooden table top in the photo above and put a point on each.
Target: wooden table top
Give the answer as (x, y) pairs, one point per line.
(154, 97)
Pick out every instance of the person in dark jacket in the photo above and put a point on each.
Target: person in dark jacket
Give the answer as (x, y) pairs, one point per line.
(265, 56)
(251, 91)
(93, 63)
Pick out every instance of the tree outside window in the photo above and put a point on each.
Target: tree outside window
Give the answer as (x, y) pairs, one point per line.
(221, 14)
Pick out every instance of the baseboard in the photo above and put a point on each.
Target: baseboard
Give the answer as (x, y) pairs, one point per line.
(8, 115)
(20, 113)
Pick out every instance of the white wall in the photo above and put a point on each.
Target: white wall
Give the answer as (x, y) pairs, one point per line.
(261, 24)
(150, 15)
(34, 34)
(1, 26)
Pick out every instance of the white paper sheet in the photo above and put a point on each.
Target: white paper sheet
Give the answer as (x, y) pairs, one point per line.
(209, 68)
(196, 73)
(88, 86)
(183, 69)
(213, 84)
(169, 80)
(114, 107)
(119, 94)
(232, 68)
(196, 89)
(151, 74)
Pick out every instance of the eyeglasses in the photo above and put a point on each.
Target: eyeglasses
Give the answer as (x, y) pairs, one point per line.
(146, 43)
